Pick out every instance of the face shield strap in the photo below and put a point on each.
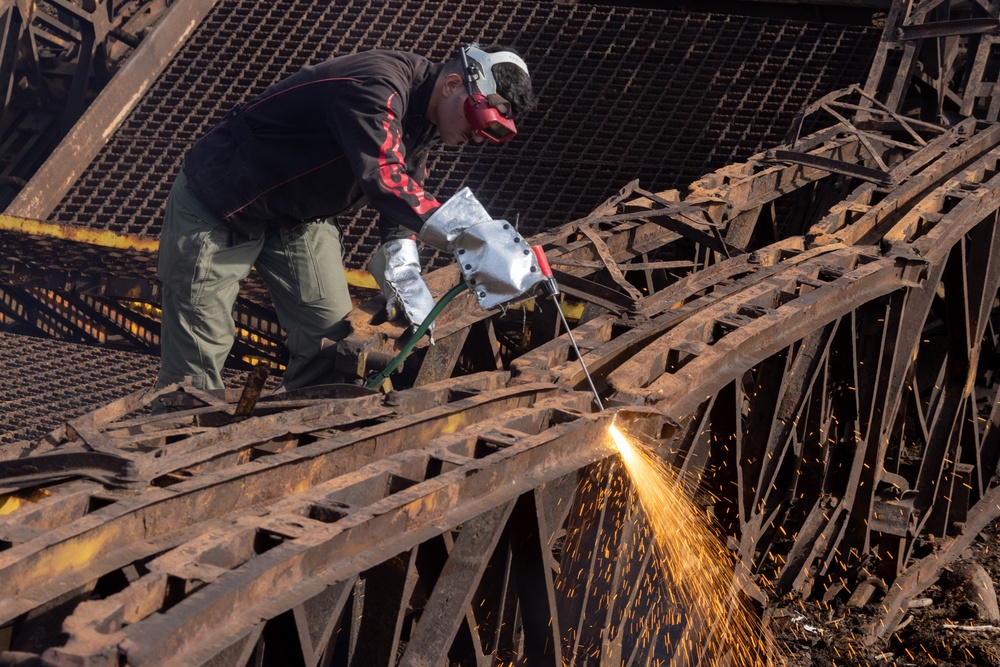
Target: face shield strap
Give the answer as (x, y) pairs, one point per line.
(479, 64)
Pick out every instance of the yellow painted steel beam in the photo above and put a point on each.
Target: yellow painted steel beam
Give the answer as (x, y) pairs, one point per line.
(357, 278)
(106, 239)
(97, 237)
(10, 503)
(573, 310)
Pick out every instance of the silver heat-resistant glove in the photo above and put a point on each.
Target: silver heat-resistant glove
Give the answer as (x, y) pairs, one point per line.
(396, 268)
(452, 218)
(496, 262)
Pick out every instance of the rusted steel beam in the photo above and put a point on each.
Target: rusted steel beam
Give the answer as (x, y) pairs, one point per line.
(138, 289)
(11, 23)
(876, 219)
(98, 237)
(608, 261)
(982, 93)
(964, 333)
(673, 369)
(819, 552)
(932, 54)
(760, 482)
(939, 29)
(203, 448)
(64, 166)
(607, 567)
(924, 572)
(25, 305)
(665, 309)
(320, 553)
(856, 98)
(970, 201)
(141, 522)
(741, 187)
(680, 221)
(60, 53)
(877, 176)
(455, 588)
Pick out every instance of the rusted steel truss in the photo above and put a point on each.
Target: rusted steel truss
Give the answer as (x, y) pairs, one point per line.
(840, 381)
(53, 286)
(832, 389)
(281, 527)
(843, 390)
(938, 60)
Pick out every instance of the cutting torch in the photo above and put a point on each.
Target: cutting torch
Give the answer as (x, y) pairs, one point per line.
(549, 287)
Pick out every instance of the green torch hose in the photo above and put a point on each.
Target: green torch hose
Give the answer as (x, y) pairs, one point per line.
(377, 381)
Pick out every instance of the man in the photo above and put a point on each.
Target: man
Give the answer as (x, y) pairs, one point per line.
(264, 188)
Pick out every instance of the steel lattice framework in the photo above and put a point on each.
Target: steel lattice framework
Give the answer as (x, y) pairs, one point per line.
(811, 333)
(54, 55)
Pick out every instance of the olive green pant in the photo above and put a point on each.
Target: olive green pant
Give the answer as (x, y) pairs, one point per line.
(201, 264)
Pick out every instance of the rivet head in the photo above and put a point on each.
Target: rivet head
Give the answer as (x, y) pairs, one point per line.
(461, 251)
(472, 281)
(468, 267)
(533, 269)
(527, 252)
(517, 239)
(506, 226)
(482, 295)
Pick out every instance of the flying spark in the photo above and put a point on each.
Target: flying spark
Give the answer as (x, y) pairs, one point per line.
(700, 575)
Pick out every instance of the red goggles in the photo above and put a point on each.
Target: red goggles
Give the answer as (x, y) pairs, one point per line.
(488, 120)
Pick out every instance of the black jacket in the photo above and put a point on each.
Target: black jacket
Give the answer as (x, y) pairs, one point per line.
(321, 141)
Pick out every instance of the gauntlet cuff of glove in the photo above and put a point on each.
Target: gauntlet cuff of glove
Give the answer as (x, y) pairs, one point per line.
(401, 282)
(451, 219)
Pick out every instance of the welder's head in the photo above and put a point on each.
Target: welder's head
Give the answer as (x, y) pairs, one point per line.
(492, 106)
(498, 90)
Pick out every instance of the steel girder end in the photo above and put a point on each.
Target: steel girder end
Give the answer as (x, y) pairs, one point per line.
(913, 268)
(646, 424)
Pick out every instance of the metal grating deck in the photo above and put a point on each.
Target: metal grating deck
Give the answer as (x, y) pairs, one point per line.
(47, 382)
(624, 93)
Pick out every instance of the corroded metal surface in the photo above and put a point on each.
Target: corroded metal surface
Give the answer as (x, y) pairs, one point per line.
(817, 378)
(809, 333)
(310, 491)
(930, 43)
